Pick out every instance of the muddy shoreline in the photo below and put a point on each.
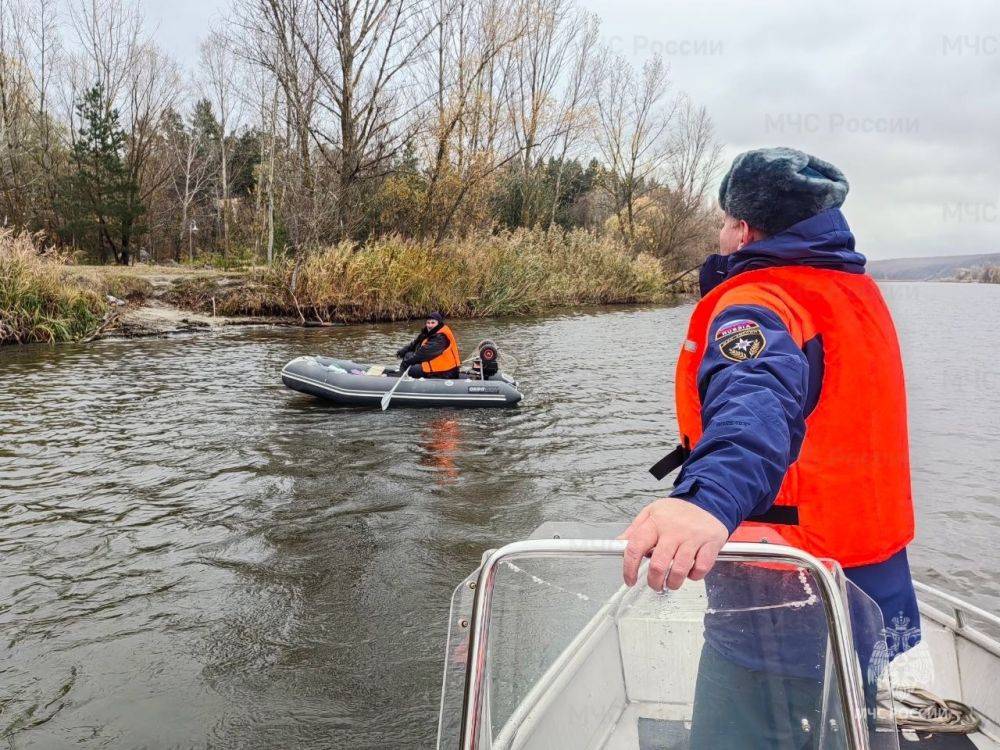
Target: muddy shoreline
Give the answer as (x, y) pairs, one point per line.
(154, 314)
(157, 318)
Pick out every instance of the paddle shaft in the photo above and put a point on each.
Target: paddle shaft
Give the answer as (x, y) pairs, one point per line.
(404, 375)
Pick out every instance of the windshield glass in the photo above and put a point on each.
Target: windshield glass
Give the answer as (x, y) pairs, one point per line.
(574, 659)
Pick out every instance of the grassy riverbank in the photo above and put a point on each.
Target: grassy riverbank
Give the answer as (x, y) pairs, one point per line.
(393, 279)
(37, 302)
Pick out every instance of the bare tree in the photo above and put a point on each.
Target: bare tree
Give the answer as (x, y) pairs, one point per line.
(192, 172)
(470, 140)
(152, 89)
(344, 67)
(363, 55)
(539, 117)
(218, 68)
(633, 132)
(109, 38)
(272, 155)
(264, 92)
(272, 32)
(688, 215)
(15, 113)
(45, 57)
(576, 112)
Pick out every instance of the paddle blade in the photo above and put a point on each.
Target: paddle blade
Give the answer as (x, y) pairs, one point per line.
(388, 396)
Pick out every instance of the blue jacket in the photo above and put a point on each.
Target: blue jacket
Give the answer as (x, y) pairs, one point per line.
(754, 411)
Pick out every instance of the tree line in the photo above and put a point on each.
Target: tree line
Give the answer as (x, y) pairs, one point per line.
(308, 122)
(988, 274)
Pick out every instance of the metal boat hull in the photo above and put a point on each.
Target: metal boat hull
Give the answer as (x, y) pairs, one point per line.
(623, 677)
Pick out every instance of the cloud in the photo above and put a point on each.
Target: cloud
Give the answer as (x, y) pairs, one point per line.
(904, 98)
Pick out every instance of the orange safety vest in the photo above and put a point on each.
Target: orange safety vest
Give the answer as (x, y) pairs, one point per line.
(850, 486)
(449, 359)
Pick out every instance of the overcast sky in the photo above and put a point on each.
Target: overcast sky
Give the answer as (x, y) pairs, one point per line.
(904, 97)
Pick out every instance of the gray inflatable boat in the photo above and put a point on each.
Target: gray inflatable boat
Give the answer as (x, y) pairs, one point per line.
(346, 382)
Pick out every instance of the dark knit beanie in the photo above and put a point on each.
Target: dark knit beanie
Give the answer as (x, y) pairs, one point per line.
(772, 188)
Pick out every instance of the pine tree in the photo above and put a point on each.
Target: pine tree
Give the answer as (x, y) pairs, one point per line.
(102, 199)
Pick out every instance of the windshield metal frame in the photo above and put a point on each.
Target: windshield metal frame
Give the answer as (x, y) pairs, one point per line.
(848, 670)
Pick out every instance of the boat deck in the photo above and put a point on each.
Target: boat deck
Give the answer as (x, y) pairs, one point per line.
(578, 661)
(650, 727)
(956, 671)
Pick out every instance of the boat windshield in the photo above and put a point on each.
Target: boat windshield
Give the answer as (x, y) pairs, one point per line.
(547, 649)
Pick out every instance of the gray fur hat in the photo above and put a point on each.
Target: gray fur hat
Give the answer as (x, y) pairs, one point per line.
(772, 188)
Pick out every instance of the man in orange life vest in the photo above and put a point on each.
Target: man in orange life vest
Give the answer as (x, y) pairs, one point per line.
(433, 353)
(790, 398)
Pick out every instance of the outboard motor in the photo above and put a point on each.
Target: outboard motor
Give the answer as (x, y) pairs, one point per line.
(489, 359)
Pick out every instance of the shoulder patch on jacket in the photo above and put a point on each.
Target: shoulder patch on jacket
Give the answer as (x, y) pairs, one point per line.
(740, 340)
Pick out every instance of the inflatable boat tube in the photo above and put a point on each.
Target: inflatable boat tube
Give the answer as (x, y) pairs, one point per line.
(343, 381)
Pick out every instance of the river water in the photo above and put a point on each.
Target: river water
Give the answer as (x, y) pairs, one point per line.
(192, 555)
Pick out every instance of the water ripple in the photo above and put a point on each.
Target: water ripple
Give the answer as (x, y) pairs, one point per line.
(195, 556)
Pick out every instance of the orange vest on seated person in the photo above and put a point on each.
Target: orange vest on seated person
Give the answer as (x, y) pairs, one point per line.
(449, 359)
(847, 495)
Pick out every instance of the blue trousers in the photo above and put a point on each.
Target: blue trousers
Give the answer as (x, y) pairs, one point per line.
(736, 707)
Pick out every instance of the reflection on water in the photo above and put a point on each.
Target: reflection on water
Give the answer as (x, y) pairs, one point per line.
(195, 556)
(440, 443)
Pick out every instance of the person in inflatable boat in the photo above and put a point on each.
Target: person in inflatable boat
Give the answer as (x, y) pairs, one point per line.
(792, 413)
(433, 353)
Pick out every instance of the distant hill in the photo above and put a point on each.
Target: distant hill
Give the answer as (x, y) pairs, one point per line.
(929, 269)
